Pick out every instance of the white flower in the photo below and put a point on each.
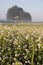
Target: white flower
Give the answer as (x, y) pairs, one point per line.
(35, 49)
(13, 63)
(27, 36)
(14, 59)
(26, 50)
(25, 57)
(19, 46)
(16, 55)
(28, 61)
(39, 45)
(25, 61)
(37, 63)
(33, 31)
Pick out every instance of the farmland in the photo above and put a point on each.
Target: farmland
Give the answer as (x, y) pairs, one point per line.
(21, 44)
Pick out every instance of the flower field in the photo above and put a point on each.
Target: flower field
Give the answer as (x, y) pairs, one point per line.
(21, 44)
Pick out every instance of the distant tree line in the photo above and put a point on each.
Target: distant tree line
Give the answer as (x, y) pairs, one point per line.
(17, 13)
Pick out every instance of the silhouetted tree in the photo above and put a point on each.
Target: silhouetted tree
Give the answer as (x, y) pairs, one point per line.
(18, 13)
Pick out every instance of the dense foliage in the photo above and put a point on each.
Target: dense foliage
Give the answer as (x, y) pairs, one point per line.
(21, 44)
(17, 13)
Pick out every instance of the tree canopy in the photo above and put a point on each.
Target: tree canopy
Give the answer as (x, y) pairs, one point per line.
(17, 13)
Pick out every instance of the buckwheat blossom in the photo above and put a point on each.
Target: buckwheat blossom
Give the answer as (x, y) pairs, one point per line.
(39, 45)
(27, 36)
(13, 63)
(16, 55)
(21, 44)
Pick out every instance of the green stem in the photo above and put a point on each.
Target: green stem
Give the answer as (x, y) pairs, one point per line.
(32, 62)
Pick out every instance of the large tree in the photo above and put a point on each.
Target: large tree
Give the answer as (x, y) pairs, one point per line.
(17, 13)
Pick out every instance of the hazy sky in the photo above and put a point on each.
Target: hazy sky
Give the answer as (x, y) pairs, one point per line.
(34, 7)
